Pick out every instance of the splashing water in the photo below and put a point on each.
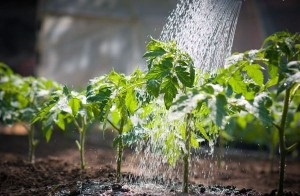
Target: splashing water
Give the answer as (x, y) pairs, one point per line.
(205, 29)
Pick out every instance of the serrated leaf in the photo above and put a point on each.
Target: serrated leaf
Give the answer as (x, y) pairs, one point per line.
(161, 70)
(237, 84)
(153, 87)
(185, 74)
(102, 95)
(255, 73)
(168, 88)
(154, 52)
(116, 78)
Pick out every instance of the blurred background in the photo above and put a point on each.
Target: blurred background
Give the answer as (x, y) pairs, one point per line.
(74, 41)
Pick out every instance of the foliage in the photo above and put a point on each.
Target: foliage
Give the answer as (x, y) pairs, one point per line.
(67, 106)
(172, 103)
(169, 70)
(117, 97)
(21, 99)
(277, 95)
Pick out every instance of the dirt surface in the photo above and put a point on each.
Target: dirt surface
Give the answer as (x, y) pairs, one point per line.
(56, 172)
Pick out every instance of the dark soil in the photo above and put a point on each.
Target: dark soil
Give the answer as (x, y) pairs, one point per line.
(56, 172)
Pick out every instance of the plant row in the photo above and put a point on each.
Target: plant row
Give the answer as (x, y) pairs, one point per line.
(172, 103)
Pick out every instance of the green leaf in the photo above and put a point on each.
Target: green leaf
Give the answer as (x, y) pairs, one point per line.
(116, 116)
(66, 90)
(294, 90)
(47, 132)
(221, 103)
(169, 90)
(5, 70)
(185, 74)
(153, 87)
(60, 121)
(294, 66)
(116, 78)
(155, 52)
(131, 101)
(260, 109)
(161, 70)
(199, 126)
(74, 103)
(289, 82)
(101, 96)
(254, 71)
(237, 84)
(271, 82)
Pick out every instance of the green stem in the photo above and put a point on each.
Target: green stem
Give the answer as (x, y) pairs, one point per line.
(114, 126)
(31, 144)
(82, 144)
(120, 151)
(186, 155)
(82, 131)
(282, 144)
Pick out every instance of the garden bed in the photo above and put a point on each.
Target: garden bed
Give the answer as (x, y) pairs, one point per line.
(56, 172)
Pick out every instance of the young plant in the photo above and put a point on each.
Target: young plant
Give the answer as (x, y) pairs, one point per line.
(118, 97)
(207, 107)
(283, 53)
(22, 98)
(171, 72)
(65, 107)
(281, 57)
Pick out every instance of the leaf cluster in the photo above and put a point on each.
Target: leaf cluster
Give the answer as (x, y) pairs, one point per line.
(22, 97)
(169, 70)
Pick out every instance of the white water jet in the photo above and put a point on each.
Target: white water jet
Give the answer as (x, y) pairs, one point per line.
(205, 29)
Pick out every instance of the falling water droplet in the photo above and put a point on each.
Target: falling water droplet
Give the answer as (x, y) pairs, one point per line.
(205, 29)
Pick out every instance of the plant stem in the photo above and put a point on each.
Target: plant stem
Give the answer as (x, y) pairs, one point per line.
(82, 141)
(120, 151)
(186, 156)
(31, 143)
(282, 144)
(82, 131)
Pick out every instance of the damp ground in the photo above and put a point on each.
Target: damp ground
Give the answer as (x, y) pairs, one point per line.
(56, 172)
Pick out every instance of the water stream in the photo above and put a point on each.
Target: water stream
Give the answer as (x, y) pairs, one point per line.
(205, 29)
